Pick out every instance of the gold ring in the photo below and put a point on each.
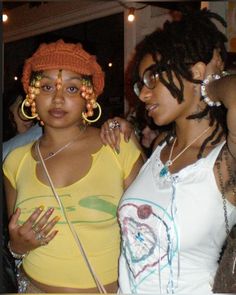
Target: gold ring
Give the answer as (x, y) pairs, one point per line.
(43, 242)
(35, 229)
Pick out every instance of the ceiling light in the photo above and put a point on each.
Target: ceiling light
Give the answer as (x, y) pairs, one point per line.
(4, 17)
(131, 15)
(131, 10)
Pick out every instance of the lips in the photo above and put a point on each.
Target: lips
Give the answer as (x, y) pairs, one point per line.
(28, 124)
(57, 113)
(150, 108)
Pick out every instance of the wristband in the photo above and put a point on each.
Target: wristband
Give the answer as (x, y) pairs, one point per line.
(16, 255)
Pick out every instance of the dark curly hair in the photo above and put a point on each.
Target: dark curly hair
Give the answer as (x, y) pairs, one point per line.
(181, 44)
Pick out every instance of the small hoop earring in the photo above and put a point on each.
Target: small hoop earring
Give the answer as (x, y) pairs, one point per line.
(23, 111)
(98, 117)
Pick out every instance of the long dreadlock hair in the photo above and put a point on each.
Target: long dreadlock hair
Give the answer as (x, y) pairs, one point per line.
(180, 44)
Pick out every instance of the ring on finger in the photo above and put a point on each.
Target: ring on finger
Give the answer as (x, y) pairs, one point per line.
(35, 228)
(39, 236)
(43, 242)
(114, 124)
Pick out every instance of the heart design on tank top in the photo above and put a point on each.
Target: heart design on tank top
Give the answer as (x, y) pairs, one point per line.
(141, 241)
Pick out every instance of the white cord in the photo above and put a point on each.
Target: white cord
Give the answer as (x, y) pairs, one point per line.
(97, 281)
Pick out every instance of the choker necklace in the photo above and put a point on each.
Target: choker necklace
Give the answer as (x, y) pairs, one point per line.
(165, 170)
(52, 154)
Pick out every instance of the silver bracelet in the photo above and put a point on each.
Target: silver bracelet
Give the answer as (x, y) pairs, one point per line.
(16, 255)
(206, 99)
(205, 82)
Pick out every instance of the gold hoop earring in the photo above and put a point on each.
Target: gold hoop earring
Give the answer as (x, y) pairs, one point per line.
(23, 111)
(98, 117)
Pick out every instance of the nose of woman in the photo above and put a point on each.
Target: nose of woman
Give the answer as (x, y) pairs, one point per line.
(58, 96)
(145, 94)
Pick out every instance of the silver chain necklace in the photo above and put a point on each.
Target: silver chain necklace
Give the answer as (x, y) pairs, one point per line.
(165, 170)
(53, 154)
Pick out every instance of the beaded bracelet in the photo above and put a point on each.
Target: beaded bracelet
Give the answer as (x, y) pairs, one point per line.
(205, 82)
(16, 255)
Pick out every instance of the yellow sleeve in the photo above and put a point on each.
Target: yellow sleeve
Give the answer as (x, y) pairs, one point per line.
(129, 153)
(12, 162)
(9, 169)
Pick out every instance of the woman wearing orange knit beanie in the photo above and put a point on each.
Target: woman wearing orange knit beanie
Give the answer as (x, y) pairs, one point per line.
(63, 190)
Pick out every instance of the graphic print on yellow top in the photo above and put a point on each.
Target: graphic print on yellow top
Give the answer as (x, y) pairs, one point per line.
(91, 205)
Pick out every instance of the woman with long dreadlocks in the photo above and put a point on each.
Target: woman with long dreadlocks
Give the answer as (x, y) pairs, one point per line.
(175, 214)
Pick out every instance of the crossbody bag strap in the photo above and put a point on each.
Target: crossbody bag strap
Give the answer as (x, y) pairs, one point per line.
(100, 286)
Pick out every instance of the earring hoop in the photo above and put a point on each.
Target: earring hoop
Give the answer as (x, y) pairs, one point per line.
(98, 117)
(23, 111)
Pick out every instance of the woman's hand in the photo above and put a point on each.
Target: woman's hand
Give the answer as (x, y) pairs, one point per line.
(111, 129)
(216, 65)
(35, 232)
(224, 88)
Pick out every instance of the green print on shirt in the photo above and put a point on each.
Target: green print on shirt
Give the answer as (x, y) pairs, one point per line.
(94, 203)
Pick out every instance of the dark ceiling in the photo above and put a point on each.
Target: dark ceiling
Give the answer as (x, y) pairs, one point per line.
(8, 5)
(172, 5)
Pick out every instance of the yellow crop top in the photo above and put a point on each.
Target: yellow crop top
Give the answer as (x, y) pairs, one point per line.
(91, 205)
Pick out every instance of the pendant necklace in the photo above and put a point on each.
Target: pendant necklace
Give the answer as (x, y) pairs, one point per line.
(165, 170)
(52, 154)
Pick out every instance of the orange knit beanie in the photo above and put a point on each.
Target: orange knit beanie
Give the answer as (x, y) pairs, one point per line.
(66, 56)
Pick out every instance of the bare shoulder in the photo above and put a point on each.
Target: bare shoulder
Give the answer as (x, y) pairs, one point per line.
(93, 132)
(93, 137)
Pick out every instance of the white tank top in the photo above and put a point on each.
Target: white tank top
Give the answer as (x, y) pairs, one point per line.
(173, 228)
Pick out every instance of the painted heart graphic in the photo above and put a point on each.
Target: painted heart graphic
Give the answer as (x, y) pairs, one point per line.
(140, 243)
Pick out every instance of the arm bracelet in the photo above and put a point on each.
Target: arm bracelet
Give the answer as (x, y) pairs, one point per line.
(16, 255)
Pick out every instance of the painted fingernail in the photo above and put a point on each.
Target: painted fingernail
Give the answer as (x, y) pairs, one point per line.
(17, 210)
(57, 218)
(50, 210)
(117, 150)
(41, 208)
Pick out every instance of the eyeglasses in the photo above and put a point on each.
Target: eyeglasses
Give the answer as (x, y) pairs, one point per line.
(149, 79)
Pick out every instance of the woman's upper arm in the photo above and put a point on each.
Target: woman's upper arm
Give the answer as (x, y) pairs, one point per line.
(134, 172)
(11, 195)
(224, 89)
